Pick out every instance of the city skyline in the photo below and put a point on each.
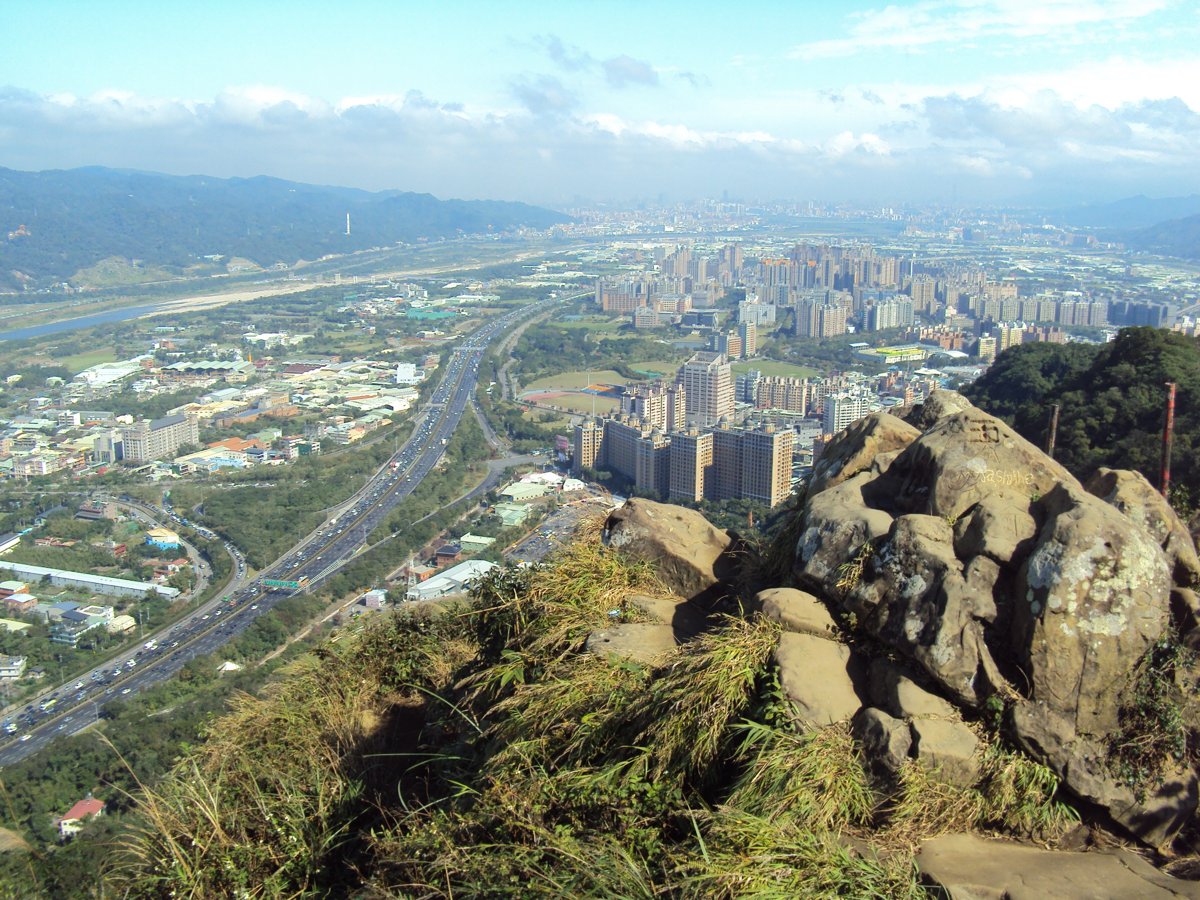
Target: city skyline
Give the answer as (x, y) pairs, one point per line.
(956, 101)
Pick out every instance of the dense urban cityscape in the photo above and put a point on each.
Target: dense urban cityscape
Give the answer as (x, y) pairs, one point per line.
(567, 450)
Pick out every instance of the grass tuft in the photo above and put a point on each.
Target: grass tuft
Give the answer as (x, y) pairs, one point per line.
(815, 779)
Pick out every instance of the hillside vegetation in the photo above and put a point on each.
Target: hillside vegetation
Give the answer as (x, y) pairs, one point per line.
(74, 220)
(481, 751)
(1112, 401)
(954, 668)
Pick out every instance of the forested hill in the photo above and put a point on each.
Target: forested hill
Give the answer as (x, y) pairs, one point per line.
(1112, 400)
(55, 223)
(1178, 237)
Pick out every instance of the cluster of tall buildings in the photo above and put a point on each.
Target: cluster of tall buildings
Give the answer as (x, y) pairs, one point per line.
(693, 464)
(676, 441)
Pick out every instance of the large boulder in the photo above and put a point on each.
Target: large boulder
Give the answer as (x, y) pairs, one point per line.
(964, 458)
(820, 678)
(995, 528)
(690, 555)
(885, 740)
(797, 611)
(855, 449)
(645, 643)
(1082, 762)
(1092, 597)
(969, 867)
(1133, 495)
(937, 406)
(892, 690)
(947, 749)
(838, 523)
(918, 597)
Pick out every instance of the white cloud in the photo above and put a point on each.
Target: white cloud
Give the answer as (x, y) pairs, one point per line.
(866, 147)
(960, 22)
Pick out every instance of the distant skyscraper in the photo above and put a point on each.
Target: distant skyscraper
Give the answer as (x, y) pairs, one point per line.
(748, 332)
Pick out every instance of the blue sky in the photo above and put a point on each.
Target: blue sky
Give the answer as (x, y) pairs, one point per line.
(974, 100)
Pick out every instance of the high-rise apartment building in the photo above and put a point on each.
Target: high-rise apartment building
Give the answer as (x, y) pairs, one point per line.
(708, 388)
(588, 439)
(819, 315)
(147, 440)
(659, 405)
(724, 480)
(843, 409)
(766, 464)
(777, 392)
(691, 458)
(896, 312)
(652, 463)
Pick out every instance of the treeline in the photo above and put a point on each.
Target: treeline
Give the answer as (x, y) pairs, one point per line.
(1111, 399)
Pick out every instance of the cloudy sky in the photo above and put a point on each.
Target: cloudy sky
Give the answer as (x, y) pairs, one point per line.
(943, 100)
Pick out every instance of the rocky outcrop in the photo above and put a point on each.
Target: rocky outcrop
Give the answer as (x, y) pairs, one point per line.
(820, 678)
(968, 867)
(645, 643)
(691, 556)
(1133, 495)
(856, 449)
(987, 565)
(797, 611)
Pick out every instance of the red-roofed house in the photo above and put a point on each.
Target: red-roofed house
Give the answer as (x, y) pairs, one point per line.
(239, 445)
(72, 823)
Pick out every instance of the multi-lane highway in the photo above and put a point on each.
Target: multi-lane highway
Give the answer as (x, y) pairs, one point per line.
(76, 705)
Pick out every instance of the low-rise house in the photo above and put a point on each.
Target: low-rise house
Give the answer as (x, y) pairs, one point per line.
(162, 538)
(121, 624)
(522, 490)
(21, 604)
(72, 823)
(375, 599)
(511, 514)
(456, 580)
(475, 543)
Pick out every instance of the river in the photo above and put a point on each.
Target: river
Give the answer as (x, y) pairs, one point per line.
(104, 318)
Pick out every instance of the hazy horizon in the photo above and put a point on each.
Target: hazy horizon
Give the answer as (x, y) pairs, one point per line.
(952, 101)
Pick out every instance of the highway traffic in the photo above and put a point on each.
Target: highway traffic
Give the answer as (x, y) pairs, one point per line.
(76, 705)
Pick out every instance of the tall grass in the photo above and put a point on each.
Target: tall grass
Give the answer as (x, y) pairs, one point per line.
(707, 686)
(744, 855)
(547, 612)
(815, 779)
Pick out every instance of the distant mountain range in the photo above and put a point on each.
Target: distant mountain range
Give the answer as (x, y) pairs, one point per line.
(1166, 225)
(54, 224)
(1131, 212)
(1177, 237)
